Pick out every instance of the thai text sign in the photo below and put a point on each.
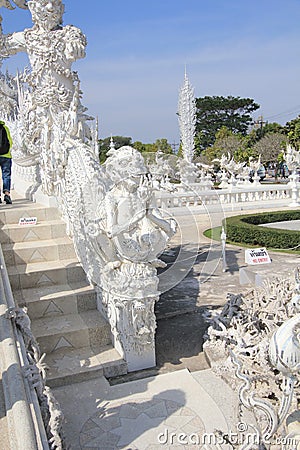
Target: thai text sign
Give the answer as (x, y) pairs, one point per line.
(257, 256)
(28, 221)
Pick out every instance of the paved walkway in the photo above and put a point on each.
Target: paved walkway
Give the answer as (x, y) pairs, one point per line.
(181, 395)
(163, 412)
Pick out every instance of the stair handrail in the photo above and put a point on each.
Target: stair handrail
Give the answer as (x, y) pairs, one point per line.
(24, 416)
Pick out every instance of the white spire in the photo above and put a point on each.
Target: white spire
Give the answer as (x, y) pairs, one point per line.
(187, 119)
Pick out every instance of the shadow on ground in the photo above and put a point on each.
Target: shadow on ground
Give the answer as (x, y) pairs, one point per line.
(181, 325)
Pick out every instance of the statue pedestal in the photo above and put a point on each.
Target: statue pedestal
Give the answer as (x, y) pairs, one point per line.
(135, 361)
(128, 297)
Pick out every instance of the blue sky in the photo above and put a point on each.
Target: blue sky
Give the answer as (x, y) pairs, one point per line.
(137, 52)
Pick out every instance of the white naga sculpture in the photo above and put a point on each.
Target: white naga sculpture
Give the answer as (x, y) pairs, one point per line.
(117, 233)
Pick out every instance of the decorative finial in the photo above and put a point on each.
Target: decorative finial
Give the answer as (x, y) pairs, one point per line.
(112, 144)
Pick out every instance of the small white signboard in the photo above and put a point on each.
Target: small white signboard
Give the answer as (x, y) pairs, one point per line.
(257, 256)
(28, 221)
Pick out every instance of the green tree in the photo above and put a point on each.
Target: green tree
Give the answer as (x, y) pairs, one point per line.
(270, 146)
(179, 153)
(228, 142)
(272, 127)
(292, 130)
(163, 146)
(138, 145)
(215, 112)
(260, 129)
(144, 148)
(104, 145)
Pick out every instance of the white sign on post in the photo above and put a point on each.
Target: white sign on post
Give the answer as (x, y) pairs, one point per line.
(257, 256)
(28, 221)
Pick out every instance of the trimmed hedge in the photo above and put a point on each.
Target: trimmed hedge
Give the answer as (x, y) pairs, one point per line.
(244, 229)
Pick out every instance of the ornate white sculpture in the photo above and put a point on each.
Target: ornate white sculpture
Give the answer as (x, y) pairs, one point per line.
(53, 87)
(161, 171)
(255, 339)
(292, 158)
(119, 237)
(188, 172)
(8, 95)
(254, 165)
(51, 49)
(118, 234)
(187, 119)
(231, 167)
(8, 87)
(284, 347)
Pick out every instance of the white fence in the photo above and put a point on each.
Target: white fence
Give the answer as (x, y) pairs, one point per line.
(259, 193)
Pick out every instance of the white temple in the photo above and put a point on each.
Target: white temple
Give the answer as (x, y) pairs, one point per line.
(119, 233)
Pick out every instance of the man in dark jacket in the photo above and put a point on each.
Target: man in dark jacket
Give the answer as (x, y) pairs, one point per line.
(5, 161)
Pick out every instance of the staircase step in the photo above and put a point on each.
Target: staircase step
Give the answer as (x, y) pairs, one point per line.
(71, 331)
(52, 301)
(13, 213)
(33, 252)
(45, 274)
(75, 365)
(50, 229)
(47, 278)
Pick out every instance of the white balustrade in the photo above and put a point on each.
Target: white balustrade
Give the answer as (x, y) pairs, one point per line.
(260, 193)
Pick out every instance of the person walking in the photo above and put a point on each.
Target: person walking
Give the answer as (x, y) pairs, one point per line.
(5, 161)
